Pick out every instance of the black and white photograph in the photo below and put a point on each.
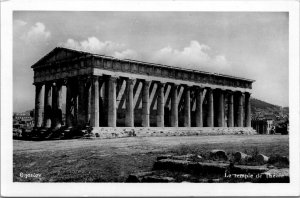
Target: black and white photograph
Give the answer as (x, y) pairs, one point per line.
(151, 96)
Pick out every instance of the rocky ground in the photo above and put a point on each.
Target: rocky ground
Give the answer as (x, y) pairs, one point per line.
(113, 160)
(217, 166)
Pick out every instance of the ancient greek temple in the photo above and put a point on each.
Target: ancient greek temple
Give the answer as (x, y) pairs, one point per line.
(102, 91)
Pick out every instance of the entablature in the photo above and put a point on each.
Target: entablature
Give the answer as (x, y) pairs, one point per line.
(91, 64)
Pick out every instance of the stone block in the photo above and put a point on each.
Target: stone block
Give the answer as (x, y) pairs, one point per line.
(186, 176)
(190, 166)
(137, 177)
(212, 168)
(239, 156)
(188, 157)
(262, 159)
(163, 157)
(279, 160)
(157, 179)
(218, 155)
(171, 164)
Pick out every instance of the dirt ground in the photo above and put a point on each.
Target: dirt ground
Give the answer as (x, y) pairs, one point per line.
(112, 160)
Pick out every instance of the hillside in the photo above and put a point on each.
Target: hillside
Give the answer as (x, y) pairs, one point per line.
(259, 104)
(263, 109)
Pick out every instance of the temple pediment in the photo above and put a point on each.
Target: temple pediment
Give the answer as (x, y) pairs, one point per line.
(57, 55)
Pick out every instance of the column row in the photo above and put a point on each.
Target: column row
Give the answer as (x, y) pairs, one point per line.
(209, 104)
(215, 104)
(52, 105)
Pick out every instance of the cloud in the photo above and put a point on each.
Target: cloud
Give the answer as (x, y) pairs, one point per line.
(128, 53)
(19, 26)
(109, 48)
(36, 33)
(19, 23)
(195, 56)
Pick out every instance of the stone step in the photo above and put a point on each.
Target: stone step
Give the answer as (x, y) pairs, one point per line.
(115, 132)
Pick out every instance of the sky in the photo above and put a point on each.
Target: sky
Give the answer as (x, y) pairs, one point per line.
(252, 45)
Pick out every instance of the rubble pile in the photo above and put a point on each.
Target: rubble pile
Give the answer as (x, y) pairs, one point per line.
(216, 167)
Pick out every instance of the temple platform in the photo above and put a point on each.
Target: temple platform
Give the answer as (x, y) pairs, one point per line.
(119, 132)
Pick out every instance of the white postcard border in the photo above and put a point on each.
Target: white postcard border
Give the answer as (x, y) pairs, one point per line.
(10, 188)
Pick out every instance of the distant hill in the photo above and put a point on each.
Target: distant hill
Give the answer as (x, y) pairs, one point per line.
(260, 108)
(259, 104)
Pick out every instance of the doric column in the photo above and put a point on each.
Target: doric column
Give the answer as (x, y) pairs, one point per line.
(239, 109)
(81, 114)
(145, 104)
(174, 106)
(199, 109)
(129, 120)
(47, 106)
(87, 99)
(103, 102)
(69, 103)
(160, 105)
(230, 115)
(187, 107)
(95, 102)
(112, 103)
(75, 103)
(38, 117)
(247, 110)
(56, 104)
(220, 107)
(59, 104)
(210, 103)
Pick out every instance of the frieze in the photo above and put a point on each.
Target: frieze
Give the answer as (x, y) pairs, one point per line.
(192, 76)
(55, 69)
(126, 66)
(134, 67)
(171, 73)
(165, 72)
(89, 62)
(142, 69)
(198, 78)
(150, 70)
(178, 74)
(157, 71)
(117, 65)
(186, 76)
(97, 63)
(106, 63)
(109, 64)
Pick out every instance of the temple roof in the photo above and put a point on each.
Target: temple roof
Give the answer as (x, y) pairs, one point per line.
(72, 53)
